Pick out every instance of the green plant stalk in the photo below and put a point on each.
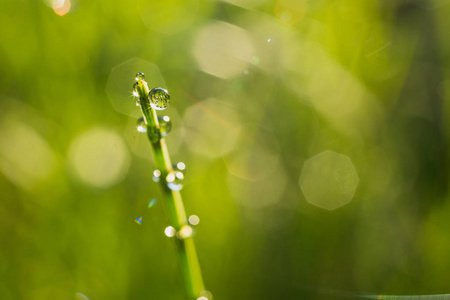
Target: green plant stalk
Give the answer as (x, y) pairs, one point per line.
(190, 267)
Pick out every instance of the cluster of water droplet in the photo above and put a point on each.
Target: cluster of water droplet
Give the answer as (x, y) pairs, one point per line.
(159, 99)
(175, 179)
(186, 231)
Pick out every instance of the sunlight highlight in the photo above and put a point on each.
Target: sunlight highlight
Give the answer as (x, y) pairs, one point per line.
(61, 7)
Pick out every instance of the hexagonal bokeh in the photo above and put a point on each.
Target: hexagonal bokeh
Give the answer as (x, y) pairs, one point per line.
(212, 128)
(120, 84)
(329, 180)
(222, 49)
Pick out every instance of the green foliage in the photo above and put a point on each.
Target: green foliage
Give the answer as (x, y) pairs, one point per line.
(258, 88)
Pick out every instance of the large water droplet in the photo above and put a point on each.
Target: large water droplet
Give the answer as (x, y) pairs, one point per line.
(185, 232)
(170, 231)
(141, 126)
(138, 220)
(156, 175)
(165, 125)
(193, 220)
(175, 180)
(140, 76)
(159, 98)
(152, 203)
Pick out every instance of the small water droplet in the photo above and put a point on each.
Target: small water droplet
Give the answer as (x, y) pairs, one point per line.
(193, 220)
(135, 92)
(245, 72)
(205, 295)
(140, 76)
(165, 125)
(156, 175)
(138, 220)
(175, 180)
(185, 232)
(181, 166)
(140, 124)
(159, 98)
(268, 40)
(170, 231)
(152, 202)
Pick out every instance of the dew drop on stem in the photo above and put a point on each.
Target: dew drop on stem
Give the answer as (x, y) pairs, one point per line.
(175, 180)
(165, 125)
(159, 98)
(185, 232)
(156, 175)
(141, 126)
(135, 92)
(140, 76)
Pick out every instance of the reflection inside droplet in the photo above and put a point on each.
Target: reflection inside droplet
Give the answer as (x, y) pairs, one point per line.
(159, 98)
(193, 220)
(170, 231)
(138, 220)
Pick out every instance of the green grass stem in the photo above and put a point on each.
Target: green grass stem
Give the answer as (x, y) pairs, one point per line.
(190, 267)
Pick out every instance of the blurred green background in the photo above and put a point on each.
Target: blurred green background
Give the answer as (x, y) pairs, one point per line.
(315, 136)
